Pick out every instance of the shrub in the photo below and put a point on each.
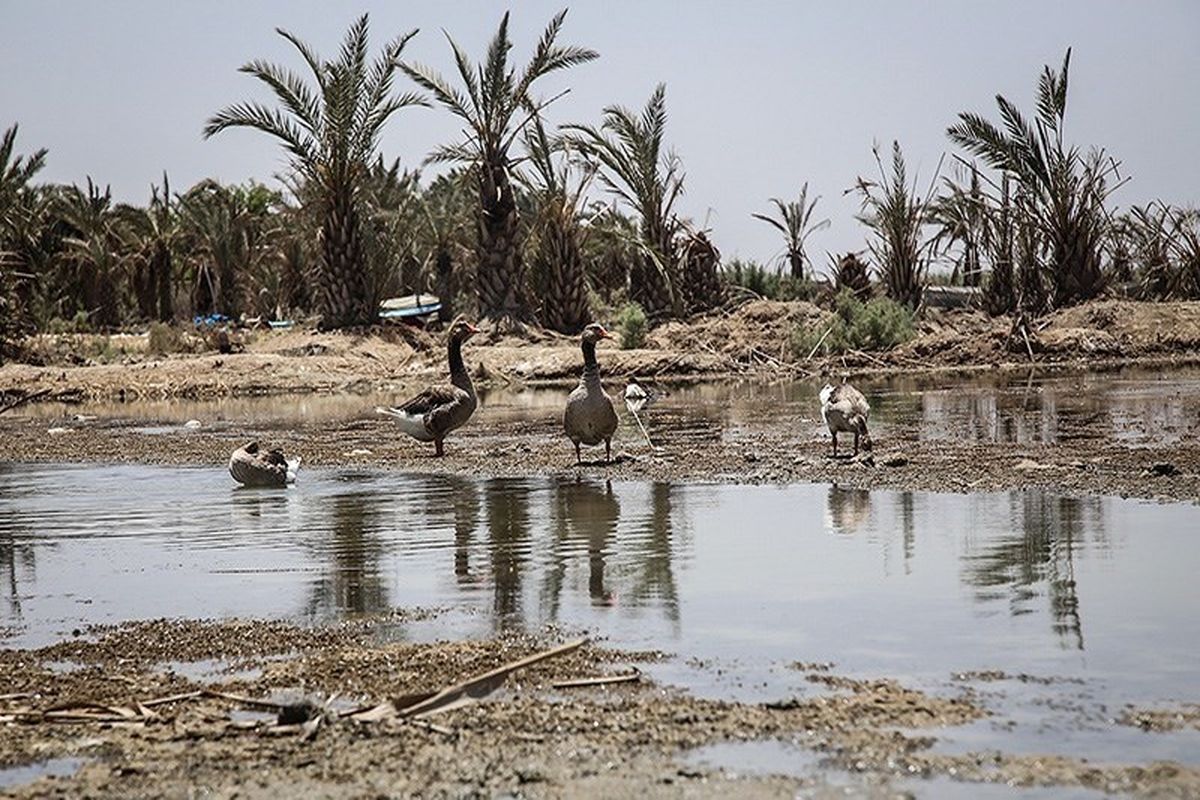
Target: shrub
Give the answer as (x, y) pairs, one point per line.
(879, 324)
(631, 322)
(164, 339)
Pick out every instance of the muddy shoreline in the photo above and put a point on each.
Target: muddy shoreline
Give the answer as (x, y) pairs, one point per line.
(526, 738)
(690, 447)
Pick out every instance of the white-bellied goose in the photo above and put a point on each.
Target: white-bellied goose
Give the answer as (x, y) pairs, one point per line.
(845, 410)
(440, 409)
(253, 466)
(589, 417)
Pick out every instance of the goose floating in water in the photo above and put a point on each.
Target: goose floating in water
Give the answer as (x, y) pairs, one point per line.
(590, 417)
(440, 409)
(845, 410)
(253, 466)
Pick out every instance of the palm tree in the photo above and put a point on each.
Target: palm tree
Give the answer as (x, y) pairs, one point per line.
(151, 234)
(1061, 191)
(92, 251)
(331, 133)
(16, 229)
(559, 197)
(628, 148)
(896, 215)
(496, 104)
(796, 224)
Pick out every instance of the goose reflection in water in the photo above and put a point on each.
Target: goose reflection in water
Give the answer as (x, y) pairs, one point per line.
(585, 514)
(846, 509)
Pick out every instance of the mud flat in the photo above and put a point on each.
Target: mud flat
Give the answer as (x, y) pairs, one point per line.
(226, 734)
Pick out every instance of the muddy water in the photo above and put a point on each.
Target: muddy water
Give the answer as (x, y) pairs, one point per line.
(1138, 407)
(1058, 611)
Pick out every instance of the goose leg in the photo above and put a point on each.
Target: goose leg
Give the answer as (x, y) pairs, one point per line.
(856, 444)
(437, 445)
(608, 451)
(835, 444)
(578, 457)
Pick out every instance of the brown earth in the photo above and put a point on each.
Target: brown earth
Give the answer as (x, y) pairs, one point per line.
(753, 339)
(526, 739)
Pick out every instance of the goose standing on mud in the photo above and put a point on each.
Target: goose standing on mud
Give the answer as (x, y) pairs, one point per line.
(845, 410)
(440, 409)
(252, 466)
(589, 417)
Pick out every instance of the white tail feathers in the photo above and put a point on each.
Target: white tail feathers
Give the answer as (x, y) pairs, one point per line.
(412, 424)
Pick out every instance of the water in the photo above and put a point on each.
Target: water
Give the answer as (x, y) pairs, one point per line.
(1138, 407)
(738, 582)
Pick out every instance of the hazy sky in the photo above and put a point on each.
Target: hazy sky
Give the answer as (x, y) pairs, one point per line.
(761, 96)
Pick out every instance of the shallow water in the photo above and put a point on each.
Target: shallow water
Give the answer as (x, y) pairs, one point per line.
(1139, 407)
(738, 582)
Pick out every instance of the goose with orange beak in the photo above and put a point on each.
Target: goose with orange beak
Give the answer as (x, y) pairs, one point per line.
(443, 408)
(590, 417)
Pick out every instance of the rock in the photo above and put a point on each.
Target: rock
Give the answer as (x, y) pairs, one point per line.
(1029, 465)
(359, 451)
(897, 460)
(1164, 469)
(59, 431)
(192, 424)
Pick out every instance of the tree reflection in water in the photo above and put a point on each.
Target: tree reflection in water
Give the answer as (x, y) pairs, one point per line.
(351, 582)
(508, 529)
(17, 551)
(655, 579)
(1051, 529)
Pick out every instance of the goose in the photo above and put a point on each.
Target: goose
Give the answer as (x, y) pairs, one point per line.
(589, 417)
(845, 410)
(250, 465)
(638, 397)
(440, 409)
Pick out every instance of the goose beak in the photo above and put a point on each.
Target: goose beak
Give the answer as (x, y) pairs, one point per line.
(604, 334)
(472, 329)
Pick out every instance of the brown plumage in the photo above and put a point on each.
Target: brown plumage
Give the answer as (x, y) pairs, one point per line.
(252, 466)
(442, 408)
(590, 417)
(845, 410)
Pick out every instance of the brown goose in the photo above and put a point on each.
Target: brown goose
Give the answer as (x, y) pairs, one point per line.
(590, 418)
(845, 410)
(440, 409)
(252, 466)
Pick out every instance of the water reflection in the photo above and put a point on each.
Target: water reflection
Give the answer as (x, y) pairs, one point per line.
(508, 526)
(846, 509)
(1048, 532)
(585, 521)
(351, 548)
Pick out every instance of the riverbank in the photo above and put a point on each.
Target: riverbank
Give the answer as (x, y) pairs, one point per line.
(1081, 433)
(753, 340)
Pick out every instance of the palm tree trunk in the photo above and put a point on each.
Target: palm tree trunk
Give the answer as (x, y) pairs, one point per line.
(444, 273)
(501, 270)
(566, 302)
(345, 298)
(161, 266)
(702, 290)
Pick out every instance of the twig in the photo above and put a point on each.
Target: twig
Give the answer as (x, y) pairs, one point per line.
(158, 701)
(820, 341)
(270, 705)
(20, 401)
(631, 677)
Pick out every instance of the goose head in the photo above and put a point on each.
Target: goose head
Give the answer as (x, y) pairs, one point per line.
(594, 333)
(826, 393)
(461, 330)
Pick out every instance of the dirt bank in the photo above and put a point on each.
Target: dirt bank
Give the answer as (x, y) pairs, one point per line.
(227, 732)
(692, 443)
(753, 339)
